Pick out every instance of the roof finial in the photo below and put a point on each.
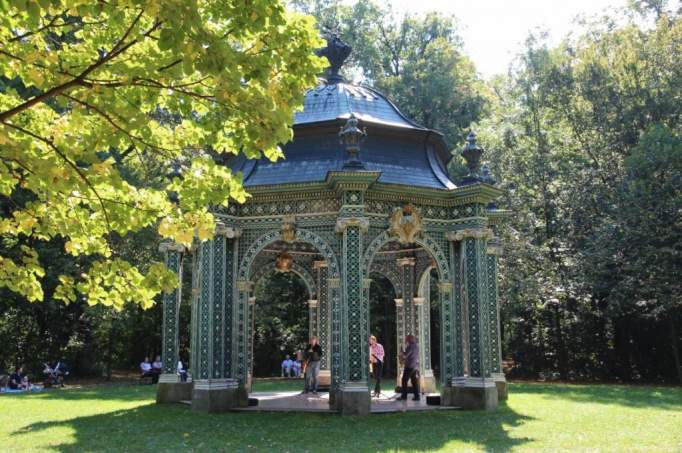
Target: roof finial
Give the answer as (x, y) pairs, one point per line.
(351, 136)
(336, 52)
(472, 154)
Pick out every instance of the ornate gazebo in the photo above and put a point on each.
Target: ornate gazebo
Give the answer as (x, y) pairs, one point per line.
(363, 190)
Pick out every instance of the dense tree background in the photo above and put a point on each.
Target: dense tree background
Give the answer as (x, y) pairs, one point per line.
(584, 137)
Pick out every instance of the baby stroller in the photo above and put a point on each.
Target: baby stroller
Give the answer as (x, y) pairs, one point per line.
(54, 377)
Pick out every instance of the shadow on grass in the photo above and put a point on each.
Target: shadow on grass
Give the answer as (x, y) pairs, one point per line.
(664, 398)
(172, 427)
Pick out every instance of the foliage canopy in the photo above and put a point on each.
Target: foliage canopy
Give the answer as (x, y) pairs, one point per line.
(98, 99)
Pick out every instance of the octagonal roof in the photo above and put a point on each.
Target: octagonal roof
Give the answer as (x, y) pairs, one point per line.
(400, 150)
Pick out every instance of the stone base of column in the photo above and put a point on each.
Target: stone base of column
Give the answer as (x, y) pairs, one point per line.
(353, 399)
(214, 395)
(501, 384)
(325, 378)
(171, 390)
(470, 393)
(249, 383)
(427, 382)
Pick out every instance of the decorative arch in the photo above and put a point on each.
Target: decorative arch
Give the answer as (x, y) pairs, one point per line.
(297, 269)
(422, 277)
(391, 277)
(301, 235)
(425, 241)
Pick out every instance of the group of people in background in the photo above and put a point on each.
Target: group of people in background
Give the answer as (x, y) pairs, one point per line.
(292, 367)
(154, 369)
(151, 369)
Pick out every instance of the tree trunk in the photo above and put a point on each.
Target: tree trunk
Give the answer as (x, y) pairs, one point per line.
(674, 343)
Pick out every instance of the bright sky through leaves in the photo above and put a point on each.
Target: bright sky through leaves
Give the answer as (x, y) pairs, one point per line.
(493, 30)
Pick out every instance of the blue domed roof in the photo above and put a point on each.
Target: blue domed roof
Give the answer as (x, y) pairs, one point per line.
(400, 150)
(340, 100)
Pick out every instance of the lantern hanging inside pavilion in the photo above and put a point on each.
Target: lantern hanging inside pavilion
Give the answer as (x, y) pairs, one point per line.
(284, 262)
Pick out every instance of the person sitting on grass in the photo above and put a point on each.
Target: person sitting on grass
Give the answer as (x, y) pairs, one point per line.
(182, 372)
(157, 368)
(19, 381)
(146, 369)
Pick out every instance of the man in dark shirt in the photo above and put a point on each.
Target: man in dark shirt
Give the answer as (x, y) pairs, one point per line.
(313, 354)
(411, 370)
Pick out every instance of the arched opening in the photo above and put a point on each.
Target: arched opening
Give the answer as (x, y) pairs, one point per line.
(289, 303)
(412, 270)
(382, 315)
(281, 324)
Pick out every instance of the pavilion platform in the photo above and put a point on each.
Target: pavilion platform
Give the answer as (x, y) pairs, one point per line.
(293, 401)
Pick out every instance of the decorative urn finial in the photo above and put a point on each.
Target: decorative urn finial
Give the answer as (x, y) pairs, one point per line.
(351, 136)
(472, 154)
(336, 52)
(485, 174)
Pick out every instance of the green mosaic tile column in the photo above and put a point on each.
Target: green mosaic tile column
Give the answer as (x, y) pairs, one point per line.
(322, 276)
(171, 313)
(493, 250)
(351, 395)
(212, 374)
(476, 388)
(355, 313)
(313, 320)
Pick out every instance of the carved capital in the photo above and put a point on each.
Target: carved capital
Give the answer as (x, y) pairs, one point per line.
(445, 287)
(406, 261)
(334, 282)
(228, 232)
(494, 250)
(342, 224)
(418, 301)
(168, 246)
(319, 264)
(476, 233)
(366, 282)
(243, 285)
(252, 301)
(312, 303)
(399, 302)
(288, 228)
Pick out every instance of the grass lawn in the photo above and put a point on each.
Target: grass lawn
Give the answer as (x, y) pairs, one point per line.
(537, 417)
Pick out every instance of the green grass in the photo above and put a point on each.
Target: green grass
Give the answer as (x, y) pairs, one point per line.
(537, 417)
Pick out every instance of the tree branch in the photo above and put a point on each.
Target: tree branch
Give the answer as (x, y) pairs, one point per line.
(68, 161)
(118, 48)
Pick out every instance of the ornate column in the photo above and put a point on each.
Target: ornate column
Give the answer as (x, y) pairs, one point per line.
(353, 393)
(493, 250)
(241, 339)
(313, 319)
(400, 333)
(324, 320)
(475, 389)
(408, 313)
(352, 396)
(214, 383)
(170, 389)
(250, 334)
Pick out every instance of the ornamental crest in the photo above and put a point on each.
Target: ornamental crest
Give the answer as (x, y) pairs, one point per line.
(406, 224)
(288, 228)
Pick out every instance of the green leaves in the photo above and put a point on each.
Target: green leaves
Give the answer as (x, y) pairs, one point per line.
(105, 98)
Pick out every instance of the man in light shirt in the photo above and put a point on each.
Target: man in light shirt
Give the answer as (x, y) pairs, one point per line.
(376, 358)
